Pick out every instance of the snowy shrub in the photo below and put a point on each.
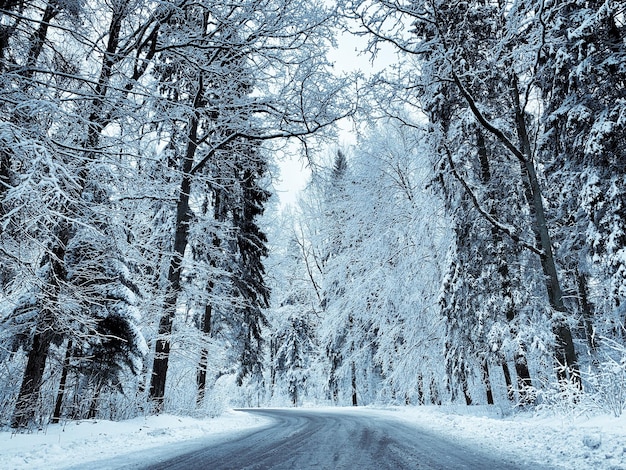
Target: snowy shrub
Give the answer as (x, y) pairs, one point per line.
(564, 398)
(604, 387)
(607, 383)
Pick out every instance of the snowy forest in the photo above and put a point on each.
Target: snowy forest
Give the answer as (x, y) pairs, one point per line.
(469, 248)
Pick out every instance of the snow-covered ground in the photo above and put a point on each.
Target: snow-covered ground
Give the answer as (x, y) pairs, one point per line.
(568, 442)
(562, 442)
(81, 444)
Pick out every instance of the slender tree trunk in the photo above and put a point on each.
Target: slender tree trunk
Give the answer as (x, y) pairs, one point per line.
(273, 349)
(585, 307)
(524, 382)
(56, 416)
(39, 37)
(434, 392)
(93, 407)
(507, 380)
(521, 367)
(420, 390)
(353, 374)
(567, 360)
(466, 395)
(204, 358)
(565, 353)
(333, 386)
(183, 216)
(487, 382)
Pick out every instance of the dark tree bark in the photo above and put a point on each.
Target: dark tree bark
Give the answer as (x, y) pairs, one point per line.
(487, 382)
(183, 215)
(28, 397)
(587, 312)
(353, 382)
(58, 406)
(204, 357)
(566, 357)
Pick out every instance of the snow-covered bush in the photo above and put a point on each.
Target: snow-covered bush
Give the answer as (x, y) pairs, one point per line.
(607, 383)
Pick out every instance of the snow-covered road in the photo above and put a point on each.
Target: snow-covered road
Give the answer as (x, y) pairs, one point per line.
(314, 439)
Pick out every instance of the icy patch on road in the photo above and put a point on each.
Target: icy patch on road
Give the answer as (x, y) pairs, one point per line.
(80, 443)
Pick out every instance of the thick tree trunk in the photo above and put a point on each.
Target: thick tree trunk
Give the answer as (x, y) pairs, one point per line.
(28, 398)
(507, 380)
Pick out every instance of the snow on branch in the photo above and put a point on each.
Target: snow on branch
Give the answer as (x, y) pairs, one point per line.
(509, 231)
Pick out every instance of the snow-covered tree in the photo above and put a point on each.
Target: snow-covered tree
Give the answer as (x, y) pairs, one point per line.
(234, 78)
(80, 108)
(582, 77)
(477, 64)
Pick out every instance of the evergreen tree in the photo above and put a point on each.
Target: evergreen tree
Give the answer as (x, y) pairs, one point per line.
(249, 273)
(295, 347)
(582, 77)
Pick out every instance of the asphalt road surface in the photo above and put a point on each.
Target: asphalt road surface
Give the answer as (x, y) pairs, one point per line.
(309, 439)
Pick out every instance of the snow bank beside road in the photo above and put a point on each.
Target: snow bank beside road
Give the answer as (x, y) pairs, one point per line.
(80, 443)
(567, 442)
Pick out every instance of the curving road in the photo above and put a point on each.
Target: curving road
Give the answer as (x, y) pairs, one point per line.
(309, 439)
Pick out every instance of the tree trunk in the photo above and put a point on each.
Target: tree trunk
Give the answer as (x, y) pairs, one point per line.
(466, 395)
(434, 392)
(420, 390)
(487, 382)
(565, 353)
(567, 361)
(585, 308)
(353, 374)
(521, 367)
(56, 416)
(183, 215)
(507, 380)
(93, 407)
(273, 349)
(28, 398)
(204, 358)
(524, 382)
